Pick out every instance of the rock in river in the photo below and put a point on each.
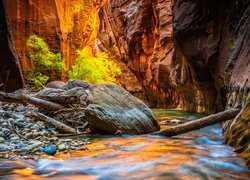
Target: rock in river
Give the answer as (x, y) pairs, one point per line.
(112, 108)
(50, 150)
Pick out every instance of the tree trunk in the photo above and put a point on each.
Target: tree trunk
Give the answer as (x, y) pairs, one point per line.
(48, 120)
(13, 98)
(199, 123)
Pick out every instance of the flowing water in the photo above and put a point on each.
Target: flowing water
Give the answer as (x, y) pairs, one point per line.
(196, 155)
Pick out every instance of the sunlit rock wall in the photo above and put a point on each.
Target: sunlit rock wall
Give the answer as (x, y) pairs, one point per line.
(66, 25)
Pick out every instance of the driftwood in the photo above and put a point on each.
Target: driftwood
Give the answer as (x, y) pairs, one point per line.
(61, 98)
(41, 103)
(11, 126)
(199, 123)
(11, 98)
(48, 120)
(23, 99)
(70, 110)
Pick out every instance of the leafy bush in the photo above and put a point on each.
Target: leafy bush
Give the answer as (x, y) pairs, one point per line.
(94, 69)
(43, 60)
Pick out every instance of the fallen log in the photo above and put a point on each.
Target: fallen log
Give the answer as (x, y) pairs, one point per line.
(24, 98)
(41, 103)
(80, 110)
(11, 98)
(61, 98)
(199, 123)
(48, 120)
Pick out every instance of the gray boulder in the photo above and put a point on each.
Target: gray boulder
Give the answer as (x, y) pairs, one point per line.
(111, 109)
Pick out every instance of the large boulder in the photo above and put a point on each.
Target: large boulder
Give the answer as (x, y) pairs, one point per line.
(111, 108)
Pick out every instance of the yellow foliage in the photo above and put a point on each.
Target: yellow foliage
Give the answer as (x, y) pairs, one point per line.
(94, 69)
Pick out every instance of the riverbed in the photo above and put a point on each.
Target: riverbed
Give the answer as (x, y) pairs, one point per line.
(196, 155)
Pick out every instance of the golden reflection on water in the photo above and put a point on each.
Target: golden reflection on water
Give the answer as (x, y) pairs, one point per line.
(143, 157)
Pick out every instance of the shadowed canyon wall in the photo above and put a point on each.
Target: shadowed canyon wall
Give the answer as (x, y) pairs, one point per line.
(10, 74)
(186, 54)
(140, 34)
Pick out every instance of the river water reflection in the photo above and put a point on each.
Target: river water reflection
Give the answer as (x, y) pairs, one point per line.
(197, 155)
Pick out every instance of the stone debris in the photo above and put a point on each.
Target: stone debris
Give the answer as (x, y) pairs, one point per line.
(29, 137)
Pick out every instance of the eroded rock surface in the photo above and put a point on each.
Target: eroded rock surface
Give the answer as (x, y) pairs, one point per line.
(112, 109)
(185, 54)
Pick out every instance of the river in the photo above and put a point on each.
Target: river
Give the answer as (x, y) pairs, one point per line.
(196, 155)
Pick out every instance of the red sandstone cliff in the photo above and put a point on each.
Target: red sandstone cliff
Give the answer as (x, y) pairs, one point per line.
(191, 54)
(184, 53)
(66, 25)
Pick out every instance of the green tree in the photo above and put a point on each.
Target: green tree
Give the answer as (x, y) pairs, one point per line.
(43, 60)
(94, 69)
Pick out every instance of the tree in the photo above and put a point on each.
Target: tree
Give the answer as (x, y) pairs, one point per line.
(44, 60)
(94, 69)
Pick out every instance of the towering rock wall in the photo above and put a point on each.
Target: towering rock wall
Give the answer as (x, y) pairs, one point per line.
(10, 74)
(66, 25)
(139, 32)
(189, 54)
(186, 54)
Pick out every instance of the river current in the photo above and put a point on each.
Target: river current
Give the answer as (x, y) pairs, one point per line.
(200, 155)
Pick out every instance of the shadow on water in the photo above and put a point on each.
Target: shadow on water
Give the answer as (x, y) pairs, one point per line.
(196, 155)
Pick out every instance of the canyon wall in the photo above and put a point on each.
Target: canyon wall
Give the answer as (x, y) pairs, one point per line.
(185, 54)
(66, 25)
(139, 32)
(189, 54)
(194, 55)
(10, 73)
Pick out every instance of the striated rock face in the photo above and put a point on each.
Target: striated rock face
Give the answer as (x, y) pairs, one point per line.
(213, 40)
(140, 34)
(185, 54)
(202, 64)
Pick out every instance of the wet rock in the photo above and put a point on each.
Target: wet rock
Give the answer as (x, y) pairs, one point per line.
(20, 108)
(65, 140)
(29, 136)
(2, 134)
(2, 140)
(53, 139)
(14, 138)
(50, 150)
(62, 147)
(7, 132)
(4, 147)
(35, 144)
